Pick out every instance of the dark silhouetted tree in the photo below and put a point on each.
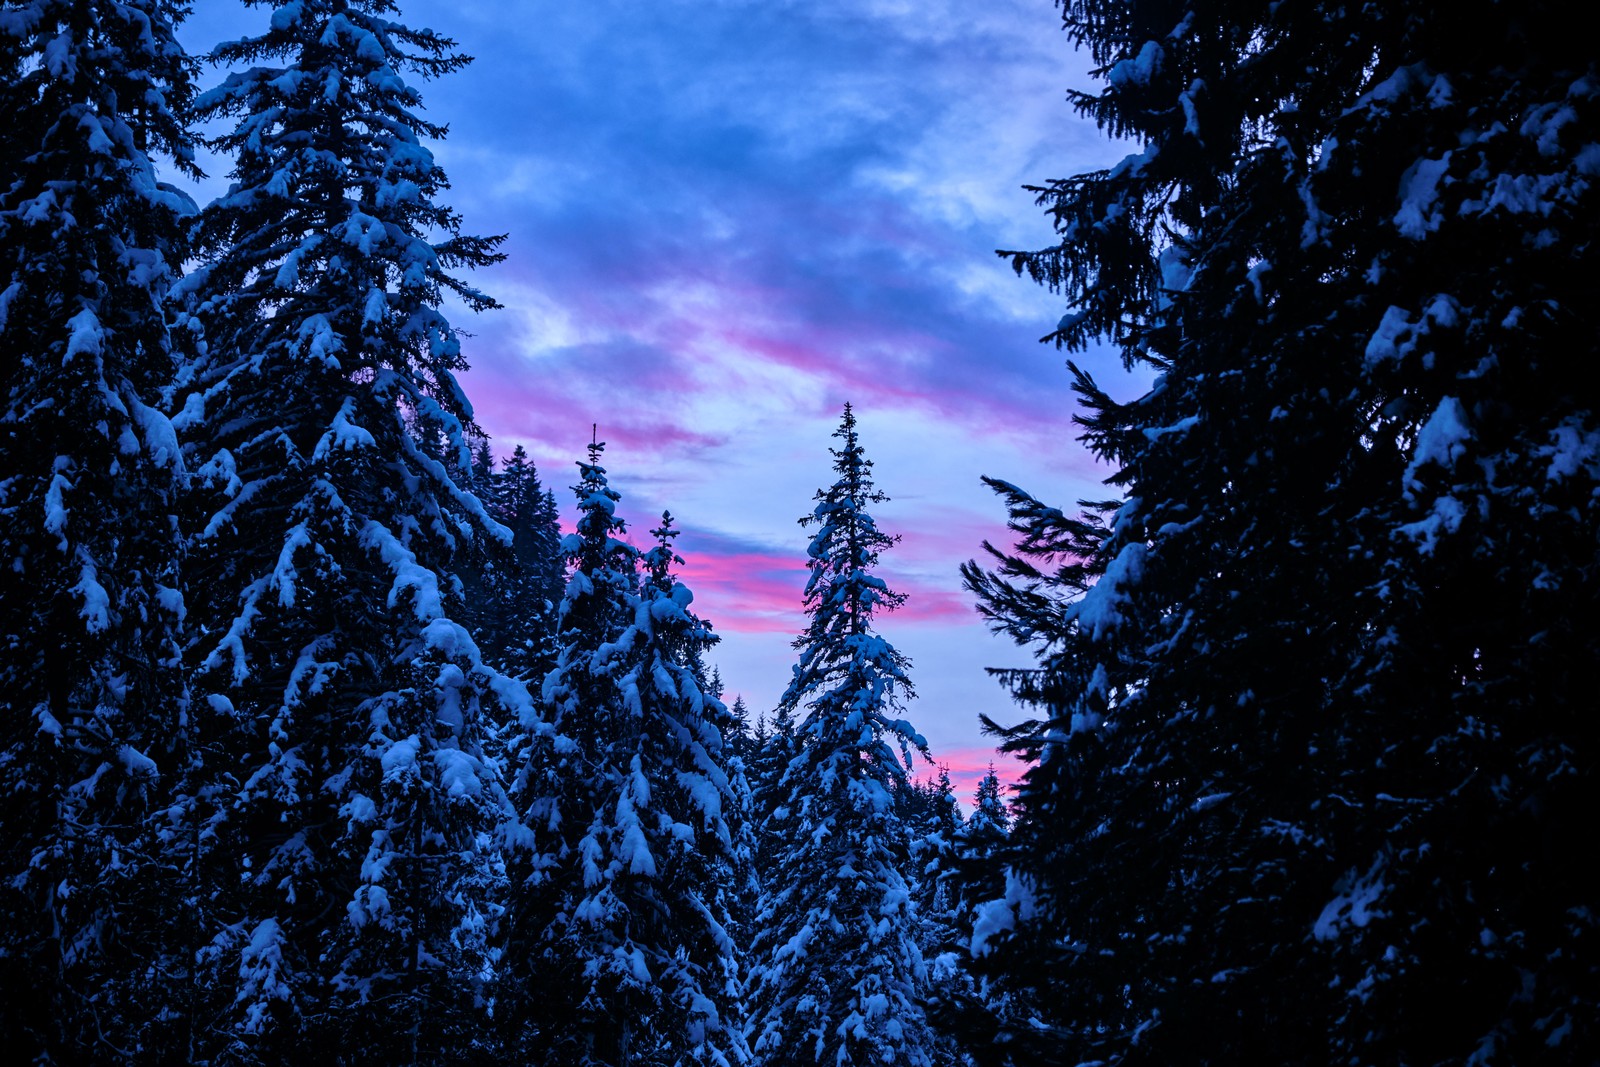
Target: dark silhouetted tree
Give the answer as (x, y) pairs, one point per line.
(95, 896)
(1316, 732)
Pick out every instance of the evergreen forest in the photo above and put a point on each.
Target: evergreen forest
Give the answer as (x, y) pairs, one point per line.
(324, 741)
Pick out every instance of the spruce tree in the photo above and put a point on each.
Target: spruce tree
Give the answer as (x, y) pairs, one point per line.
(836, 972)
(622, 910)
(965, 1007)
(332, 442)
(776, 746)
(1315, 736)
(531, 586)
(93, 888)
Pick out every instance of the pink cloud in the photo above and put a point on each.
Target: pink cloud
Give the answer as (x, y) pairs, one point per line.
(746, 591)
(968, 766)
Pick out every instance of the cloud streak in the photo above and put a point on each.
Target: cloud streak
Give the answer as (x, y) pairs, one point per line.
(727, 217)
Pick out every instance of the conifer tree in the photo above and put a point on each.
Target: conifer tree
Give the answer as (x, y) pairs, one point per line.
(777, 746)
(745, 895)
(990, 821)
(531, 588)
(836, 970)
(742, 739)
(966, 1007)
(332, 442)
(622, 929)
(93, 895)
(1315, 724)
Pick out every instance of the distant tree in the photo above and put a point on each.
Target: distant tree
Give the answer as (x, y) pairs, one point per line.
(742, 738)
(745, 894)
(514, 589)
(835, 968)
(966, 1008)
(332, 443)
(933, 818)
(990, 820)
(95, 897)
(622, 916)
(1315, 694)
(539, 574)
(773, 748)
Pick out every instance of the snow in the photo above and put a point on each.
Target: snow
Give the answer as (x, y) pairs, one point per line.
(1099, 609)
(1445, 518)
(283, 572)
(287, 15)
(321, 343)
(342, 433)
(96, 611)
(995, 917)
(408, 573)
(1388, 341)
(399, 761)
(370, 905)
(1139, 71)
(259, 967)
(1183, 425)
(1419, 190)
(6, 297)
(1191, 115)
(87, 335)
(49, 725)
(634, 848)
(359, 809)
(136, 763)
(459, 772)
(1574, 449)
(55, 508)
(1176, 274)
(160, 439)
(221, 471)
(1354, 903)
(1442, 440)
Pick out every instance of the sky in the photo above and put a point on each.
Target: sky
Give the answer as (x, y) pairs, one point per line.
(726, 218)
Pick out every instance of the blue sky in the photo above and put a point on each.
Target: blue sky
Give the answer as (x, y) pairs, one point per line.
(724, 219)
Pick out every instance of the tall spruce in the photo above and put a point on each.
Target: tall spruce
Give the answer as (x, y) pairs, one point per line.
(358, 808)
(1316, 736)
(93, 889)
(530, 589)
(622, 909)
(835, 968)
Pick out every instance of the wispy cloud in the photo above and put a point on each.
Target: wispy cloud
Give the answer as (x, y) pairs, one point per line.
(727, 217)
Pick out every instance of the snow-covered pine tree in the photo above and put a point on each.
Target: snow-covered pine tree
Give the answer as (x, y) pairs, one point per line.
(550, 1012)
(533, 587)
(963, 1007)
(621, 926)
(1318, 729)
(361, 807)
(989, 822)
(741, 740)
(745, 896)
(933, 818)
(698, 802)
(835, 970)
(775, 747)
(92, 746)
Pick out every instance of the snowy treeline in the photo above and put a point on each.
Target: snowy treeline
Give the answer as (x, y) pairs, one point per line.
(321, 743)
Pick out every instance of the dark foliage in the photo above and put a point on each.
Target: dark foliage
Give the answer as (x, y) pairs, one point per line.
(1315, 744)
